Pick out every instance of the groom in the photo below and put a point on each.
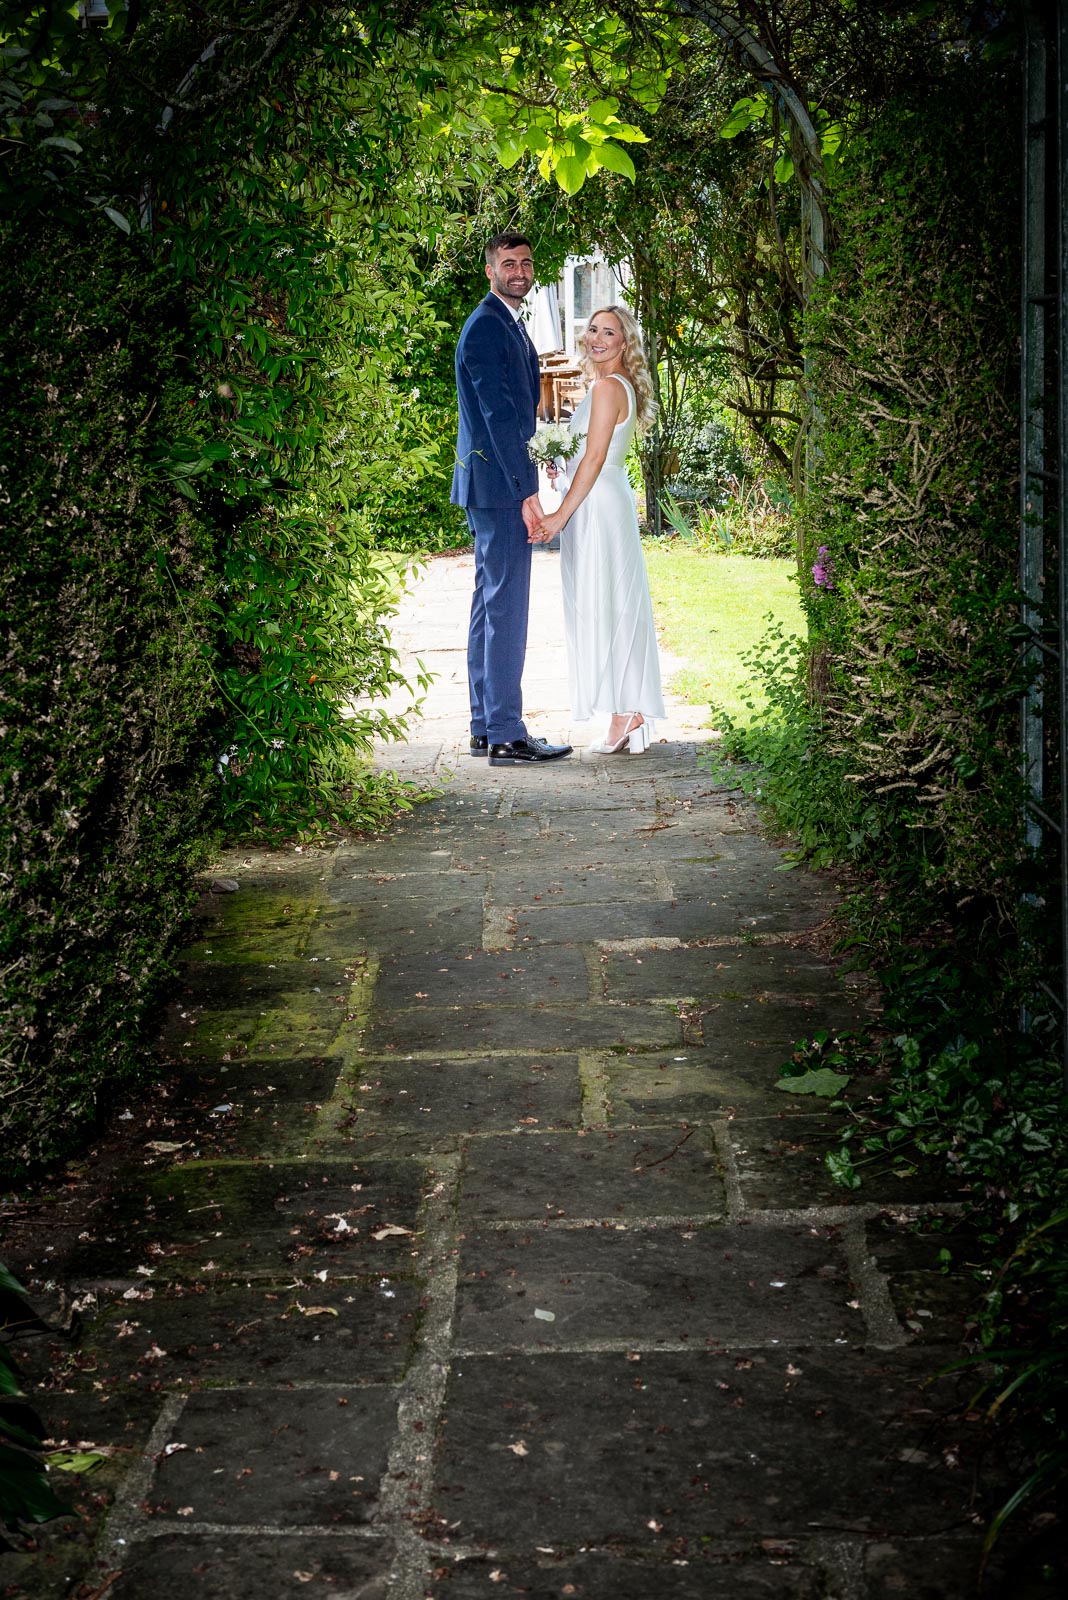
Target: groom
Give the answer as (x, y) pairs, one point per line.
(496, 482)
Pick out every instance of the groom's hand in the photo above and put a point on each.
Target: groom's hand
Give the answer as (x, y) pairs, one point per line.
(532, 512)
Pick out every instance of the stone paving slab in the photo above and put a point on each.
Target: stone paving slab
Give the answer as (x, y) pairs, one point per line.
(719, 1286)
(295, 1079)
(219, 1567)
(278, 942)
(206, 982)
(934, 1299)
(383, 889)
(402, 922)
(259, 1219)
(783, 1168)
(682, 917)
(80, 1416)
(687, 1087)
(694, 1445)
(755, 1037)
(575, 885)
(482, 979)
(522, 1029)
(239, 1335)
(569, 795)
(617, 1176)
(292, 1022)
(718, 973)
(636, 829)
(293, 1457)
(241, 1122)
(493, 1094)
(689, 1576)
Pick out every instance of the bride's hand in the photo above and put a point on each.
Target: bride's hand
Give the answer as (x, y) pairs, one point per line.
(548, 527)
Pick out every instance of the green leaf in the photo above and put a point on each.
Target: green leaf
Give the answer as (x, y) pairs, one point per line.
(75, 1460)
(16, 1434)
(840, 1166)
(818, 1080)
(25, 1493)
(616, 160)
(569, 172)
(9, 1281)
(509, 149)
(628, 132)
(117, 218)
(62, 143)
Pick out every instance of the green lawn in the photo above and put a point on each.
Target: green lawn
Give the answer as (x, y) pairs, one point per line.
(713, 608)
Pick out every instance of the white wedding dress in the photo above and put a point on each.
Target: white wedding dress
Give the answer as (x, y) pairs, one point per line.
(613, 663)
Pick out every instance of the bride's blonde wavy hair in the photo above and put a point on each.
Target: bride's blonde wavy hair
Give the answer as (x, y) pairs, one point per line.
(634, 366)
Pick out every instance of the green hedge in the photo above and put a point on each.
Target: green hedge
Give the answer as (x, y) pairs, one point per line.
(106, 707)
(913, 347)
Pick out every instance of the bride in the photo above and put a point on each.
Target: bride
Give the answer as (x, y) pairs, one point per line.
(608, 614)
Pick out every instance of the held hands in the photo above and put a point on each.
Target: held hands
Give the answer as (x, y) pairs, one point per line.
(547, 528)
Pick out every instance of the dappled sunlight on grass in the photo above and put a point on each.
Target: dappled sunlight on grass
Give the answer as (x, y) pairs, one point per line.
(712, 610)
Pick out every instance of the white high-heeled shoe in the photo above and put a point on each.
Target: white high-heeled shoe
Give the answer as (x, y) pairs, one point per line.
(635, 736)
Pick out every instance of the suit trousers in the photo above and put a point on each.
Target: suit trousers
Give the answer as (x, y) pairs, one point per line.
(497, 638)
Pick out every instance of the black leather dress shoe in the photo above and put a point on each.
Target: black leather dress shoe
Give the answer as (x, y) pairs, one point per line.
(479, 744)
(519, 752)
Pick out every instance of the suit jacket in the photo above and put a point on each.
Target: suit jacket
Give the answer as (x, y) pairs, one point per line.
(498, 385)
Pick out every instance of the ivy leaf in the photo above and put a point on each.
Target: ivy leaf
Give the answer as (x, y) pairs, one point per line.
(840, 1166)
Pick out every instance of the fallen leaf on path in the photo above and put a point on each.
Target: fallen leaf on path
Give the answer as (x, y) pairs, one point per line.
(391, 1230)
(820, 1081)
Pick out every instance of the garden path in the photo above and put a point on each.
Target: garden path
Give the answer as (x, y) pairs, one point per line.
(474, 1251)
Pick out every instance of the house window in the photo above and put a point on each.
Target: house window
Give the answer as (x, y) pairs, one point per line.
(584, 281)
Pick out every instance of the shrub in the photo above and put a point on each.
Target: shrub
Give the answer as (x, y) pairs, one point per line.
(914, 498)
(107, 705)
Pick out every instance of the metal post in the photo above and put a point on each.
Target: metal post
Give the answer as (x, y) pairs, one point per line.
(1059, 109)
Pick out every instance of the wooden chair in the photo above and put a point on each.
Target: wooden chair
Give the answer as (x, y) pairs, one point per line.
(567, 392)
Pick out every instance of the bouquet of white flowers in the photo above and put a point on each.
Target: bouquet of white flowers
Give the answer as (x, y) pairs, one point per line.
(552, 441)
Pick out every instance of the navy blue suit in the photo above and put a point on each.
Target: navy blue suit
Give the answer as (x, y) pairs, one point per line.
(497, 384)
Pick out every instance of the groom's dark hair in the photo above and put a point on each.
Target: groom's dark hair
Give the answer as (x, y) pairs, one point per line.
(506, 241)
